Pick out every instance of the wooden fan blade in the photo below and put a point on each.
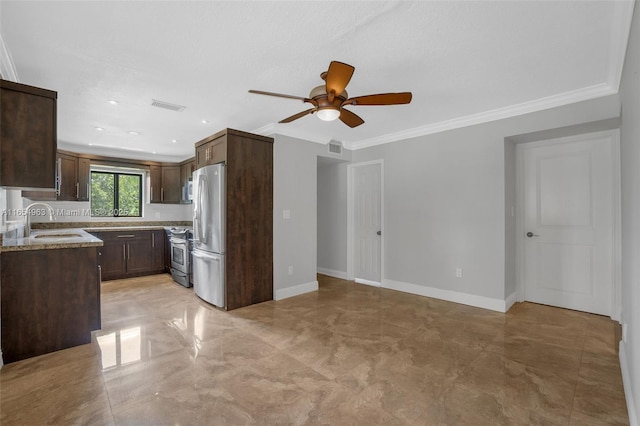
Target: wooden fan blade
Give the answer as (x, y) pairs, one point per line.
(338, 76)
(380, 99)
(298, 115)
(350, 119)
(279, 95)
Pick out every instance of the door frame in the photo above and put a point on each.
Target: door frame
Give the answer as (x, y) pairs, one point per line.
(614, 135)
(351, 168)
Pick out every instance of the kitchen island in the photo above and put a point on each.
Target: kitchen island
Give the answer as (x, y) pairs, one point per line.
(50, 292)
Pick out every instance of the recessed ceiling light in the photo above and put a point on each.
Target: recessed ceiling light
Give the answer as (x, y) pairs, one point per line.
(133, 132)
(113, 102)
(99, 129)
(174, 140)
(204, 121)
(153, 152)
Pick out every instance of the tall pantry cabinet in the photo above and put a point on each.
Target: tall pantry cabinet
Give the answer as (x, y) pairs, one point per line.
(249, 212)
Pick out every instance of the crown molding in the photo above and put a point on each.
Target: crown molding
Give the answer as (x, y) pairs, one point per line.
(621, 29)
(561, 99)
(7, 69)
(276, 129)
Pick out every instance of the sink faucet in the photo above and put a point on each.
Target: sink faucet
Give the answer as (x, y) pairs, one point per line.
(27, 227)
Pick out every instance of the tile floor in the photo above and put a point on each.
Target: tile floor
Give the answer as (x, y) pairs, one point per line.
(347, 354)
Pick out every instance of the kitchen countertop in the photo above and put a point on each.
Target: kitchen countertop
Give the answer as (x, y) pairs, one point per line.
(51, 239)
(124, 228)
(96, 226)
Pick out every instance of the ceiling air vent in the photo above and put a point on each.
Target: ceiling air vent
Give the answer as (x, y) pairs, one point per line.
(166, 105)
(335, 147)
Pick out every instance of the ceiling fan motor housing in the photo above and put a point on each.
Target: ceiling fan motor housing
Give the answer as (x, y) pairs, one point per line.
(319, 94)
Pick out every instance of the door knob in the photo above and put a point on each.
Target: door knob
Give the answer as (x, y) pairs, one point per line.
(531, 234)
(379, 233)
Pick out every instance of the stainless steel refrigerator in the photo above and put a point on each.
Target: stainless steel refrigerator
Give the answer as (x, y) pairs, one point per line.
(209, 233)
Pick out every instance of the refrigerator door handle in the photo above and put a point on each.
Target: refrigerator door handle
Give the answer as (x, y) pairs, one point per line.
(202, 234)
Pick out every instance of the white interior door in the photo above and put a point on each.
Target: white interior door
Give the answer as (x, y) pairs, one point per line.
(367, 223)
(569, 223)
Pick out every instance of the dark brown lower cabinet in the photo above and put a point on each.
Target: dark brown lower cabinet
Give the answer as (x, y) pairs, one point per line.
(131, 253)
(50, 300)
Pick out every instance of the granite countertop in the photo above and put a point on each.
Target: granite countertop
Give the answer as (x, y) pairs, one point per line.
(51, 239)
(50, 235)
(95, 226)
(124, 228)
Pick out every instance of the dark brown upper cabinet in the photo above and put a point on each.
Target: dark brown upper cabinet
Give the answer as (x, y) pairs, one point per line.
(68, 173)
(165, 184)
(186, 172)
(27, 136)
(84, 179)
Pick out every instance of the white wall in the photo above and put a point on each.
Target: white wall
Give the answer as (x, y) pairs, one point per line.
(77, 211)
(630, 165)
(295, 189)
(332, 218)
(445, 202)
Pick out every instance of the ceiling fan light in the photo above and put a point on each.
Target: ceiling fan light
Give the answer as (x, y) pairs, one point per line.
(328, 114)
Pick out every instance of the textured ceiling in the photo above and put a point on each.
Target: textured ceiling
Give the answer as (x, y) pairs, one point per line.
(460, 60)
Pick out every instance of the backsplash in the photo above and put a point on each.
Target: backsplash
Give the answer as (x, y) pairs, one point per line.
(75, 211)
(8, 228)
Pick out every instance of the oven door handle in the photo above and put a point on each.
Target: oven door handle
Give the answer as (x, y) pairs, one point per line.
(178, 241)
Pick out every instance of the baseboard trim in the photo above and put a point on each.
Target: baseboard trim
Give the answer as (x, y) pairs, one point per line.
(332, 273)
(626, 382)
(510, 300)
(368, 282)
(296, 290)
(449, 295)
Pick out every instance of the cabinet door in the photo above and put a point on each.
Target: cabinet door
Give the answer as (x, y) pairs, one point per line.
(84, 179)
(218, 151)
(155, 172)
(140, 254)
(170, 190)
(28, 137)
(68, 177)
(186, 173)
(157, 247)
(202, 155)
(113, 261)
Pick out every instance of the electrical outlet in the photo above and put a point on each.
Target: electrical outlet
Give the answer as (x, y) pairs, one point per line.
(290, 270)
(458, 272)
(286, 214)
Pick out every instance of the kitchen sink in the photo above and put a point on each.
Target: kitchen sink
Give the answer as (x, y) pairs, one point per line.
(61, 235)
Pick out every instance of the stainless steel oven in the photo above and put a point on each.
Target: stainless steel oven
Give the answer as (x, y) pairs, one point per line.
(181, 256)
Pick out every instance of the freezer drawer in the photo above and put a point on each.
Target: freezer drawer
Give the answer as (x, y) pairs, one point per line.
(208, 277)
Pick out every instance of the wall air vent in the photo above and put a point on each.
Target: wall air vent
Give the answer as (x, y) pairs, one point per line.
(166, 105)
(335, 147)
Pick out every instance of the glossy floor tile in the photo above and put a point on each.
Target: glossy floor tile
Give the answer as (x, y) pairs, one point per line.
(347, 354)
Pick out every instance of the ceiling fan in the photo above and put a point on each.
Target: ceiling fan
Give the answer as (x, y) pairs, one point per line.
(330, 99)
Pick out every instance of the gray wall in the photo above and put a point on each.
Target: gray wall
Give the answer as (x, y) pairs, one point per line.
(295, 189)
(332, 218)
(630, 165)
(445, 200)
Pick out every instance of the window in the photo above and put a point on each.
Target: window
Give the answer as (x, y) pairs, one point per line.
(116, 194)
